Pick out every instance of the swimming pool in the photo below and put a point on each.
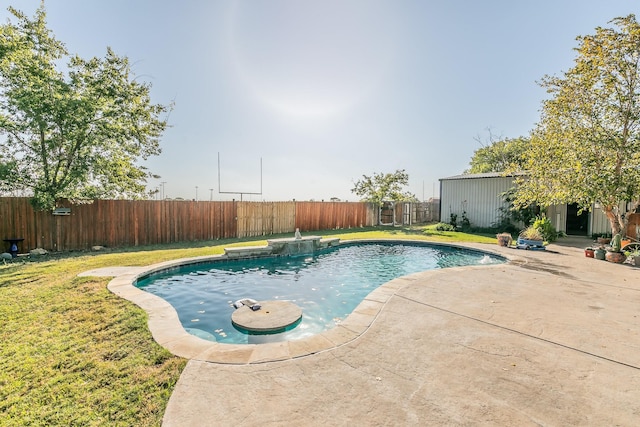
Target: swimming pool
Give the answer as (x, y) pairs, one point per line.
(328, 286)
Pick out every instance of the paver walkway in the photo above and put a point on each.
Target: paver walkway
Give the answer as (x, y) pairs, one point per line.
(552, 338)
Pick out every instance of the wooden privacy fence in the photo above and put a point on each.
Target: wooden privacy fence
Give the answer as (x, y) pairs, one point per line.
(265, 218)
(116, 223)
(120, 223)
(332, 215)
(408, 213)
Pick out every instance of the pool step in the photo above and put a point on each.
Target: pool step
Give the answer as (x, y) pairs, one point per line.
(248, 251)
(328, 242)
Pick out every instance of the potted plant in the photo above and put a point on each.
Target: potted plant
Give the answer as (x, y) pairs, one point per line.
(614, 254)
(530, 238)
(600, 253)
(603, 239)
(504, 239)
(634, 258)
(589, 252)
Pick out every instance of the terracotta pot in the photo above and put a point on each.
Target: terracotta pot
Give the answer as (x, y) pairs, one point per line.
(617, 257)
(604, 240)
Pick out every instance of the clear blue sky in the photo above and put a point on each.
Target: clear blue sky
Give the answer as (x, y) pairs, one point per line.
(327, 91)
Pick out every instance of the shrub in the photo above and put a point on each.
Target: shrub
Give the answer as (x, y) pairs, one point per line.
(545, 228)
(453, 221)
(443, 226)
(503, 224)
(531, 233)
(466, 224)
(510, 216)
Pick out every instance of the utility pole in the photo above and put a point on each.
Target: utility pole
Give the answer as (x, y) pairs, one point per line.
(163, 183)
(196, 193)
(211, 194)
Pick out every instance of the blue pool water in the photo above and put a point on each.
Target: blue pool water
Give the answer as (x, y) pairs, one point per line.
(327, 286)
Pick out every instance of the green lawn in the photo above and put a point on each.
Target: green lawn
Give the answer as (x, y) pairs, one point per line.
(74, 354)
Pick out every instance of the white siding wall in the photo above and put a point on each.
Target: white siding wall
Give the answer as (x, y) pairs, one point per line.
(600, 222)
(557, 214)
(479, 197)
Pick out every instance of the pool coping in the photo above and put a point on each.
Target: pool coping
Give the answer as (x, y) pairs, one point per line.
(168, 331)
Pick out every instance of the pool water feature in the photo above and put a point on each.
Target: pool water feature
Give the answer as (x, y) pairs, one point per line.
(328, 286)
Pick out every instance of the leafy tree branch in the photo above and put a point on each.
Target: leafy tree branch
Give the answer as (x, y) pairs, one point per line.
(586, 146)
(381, 187)
(77, 133)
(498, 154)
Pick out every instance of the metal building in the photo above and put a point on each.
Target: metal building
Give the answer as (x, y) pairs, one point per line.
(480, 197)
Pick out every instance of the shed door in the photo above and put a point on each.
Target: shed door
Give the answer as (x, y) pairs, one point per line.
(577, 225)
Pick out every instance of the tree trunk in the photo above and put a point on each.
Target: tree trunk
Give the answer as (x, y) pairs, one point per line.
(613, 220)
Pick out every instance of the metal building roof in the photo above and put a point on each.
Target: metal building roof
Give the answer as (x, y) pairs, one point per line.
(481, 175)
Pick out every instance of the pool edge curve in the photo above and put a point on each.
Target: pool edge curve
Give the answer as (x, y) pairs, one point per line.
(167, 330)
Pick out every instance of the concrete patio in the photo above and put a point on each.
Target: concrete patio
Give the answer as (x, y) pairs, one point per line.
(552, 338)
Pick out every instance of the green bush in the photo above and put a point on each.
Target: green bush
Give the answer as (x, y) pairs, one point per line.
(511, 216)
(503, 224)
(544, 226)
(442, 226)
(453, 221)
(466, 224)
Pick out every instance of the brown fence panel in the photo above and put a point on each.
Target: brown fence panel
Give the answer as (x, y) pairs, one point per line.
(410, 213)
(18, 221)
(228, 220)
(251, 219)
(183, 221)
(311, 216)
(308, 216)
(120, 223)
(425, 212)
(284, 217)
(116, 223)
(387, 213)
(265, 218)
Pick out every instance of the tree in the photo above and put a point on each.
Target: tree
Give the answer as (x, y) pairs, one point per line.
(76, 133)
(586, 147)
(383, 187)
(498, 155)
